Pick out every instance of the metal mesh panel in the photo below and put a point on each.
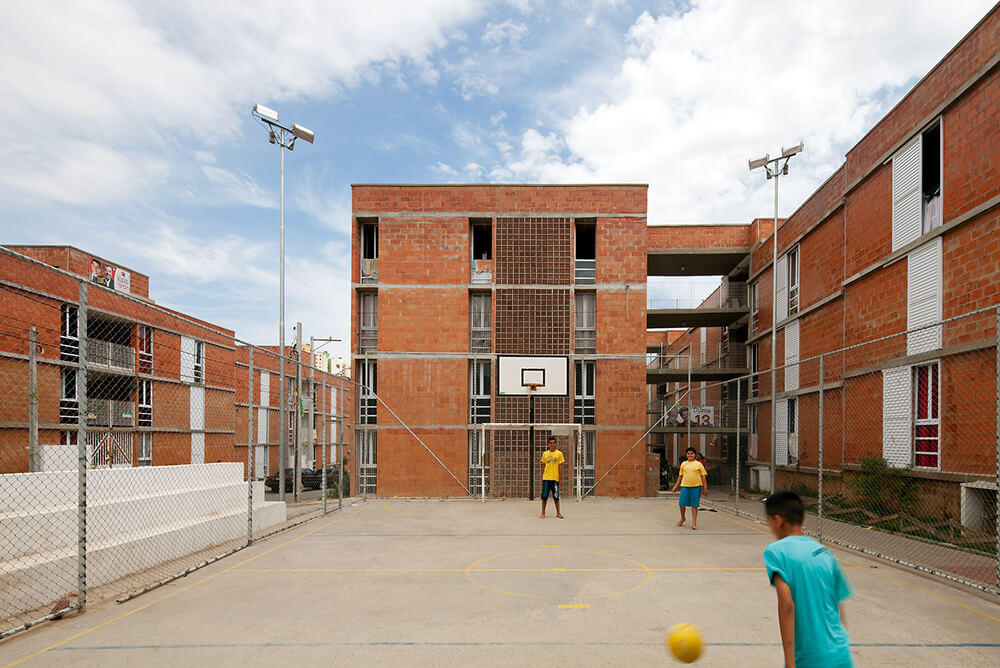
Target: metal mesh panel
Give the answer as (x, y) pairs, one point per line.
(135, 445)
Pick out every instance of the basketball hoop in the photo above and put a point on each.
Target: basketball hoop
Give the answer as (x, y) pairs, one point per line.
(532, 386)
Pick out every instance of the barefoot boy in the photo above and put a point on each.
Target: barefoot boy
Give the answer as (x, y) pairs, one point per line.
(552, 458)
(810, 588)
(693, 479)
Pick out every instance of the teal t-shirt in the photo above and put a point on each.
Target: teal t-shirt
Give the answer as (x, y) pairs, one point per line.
(818, 587)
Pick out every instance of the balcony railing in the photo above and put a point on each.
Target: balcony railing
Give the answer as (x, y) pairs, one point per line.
(586, 341)
(585, 272)
(479, 341)
(482, 271)
(369, 270)
(368, 340)
(110, 355)
(734, 358)
(110, 413)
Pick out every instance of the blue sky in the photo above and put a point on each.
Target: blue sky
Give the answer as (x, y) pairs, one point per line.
(127, 128)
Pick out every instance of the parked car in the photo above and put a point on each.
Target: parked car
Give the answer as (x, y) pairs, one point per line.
(310, 480)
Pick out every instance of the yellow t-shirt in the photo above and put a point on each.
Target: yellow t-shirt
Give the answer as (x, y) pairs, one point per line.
(552, 460)
(692, 472)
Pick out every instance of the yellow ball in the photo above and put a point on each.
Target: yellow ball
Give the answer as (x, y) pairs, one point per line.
(684, 642)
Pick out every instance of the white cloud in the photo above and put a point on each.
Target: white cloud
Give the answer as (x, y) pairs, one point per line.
(133, 79)
(701, 91)
(236, 188)
(443, 170)
(509, 33)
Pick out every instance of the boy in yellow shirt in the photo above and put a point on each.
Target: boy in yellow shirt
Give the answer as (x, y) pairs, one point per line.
(693, 479)
(552, 458)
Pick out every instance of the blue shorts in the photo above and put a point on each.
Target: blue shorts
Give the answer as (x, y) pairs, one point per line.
(550, 486)
(690, 496)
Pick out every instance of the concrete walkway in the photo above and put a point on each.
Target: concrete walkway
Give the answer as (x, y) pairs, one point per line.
(460, 583)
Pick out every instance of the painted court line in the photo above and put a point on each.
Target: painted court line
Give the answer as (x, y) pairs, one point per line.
(497, 643)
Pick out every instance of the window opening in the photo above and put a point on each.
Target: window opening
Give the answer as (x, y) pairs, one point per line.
(145, 349)
(369, 321)
(585, 256)
(479, 392)
(368, 373)
(480, 308)
(584, 411)
(585, 322)
(145, 403)
(793, 281)
(482, 241)
(930, 179)
(926, 422)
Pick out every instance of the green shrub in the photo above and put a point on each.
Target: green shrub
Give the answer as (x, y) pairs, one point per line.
(882, 489)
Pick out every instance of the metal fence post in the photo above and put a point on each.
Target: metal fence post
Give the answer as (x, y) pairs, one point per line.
(340, 442)
(739, 435)
(324, 417)
(996, 514)
(34, 456)
(819, 527)
(81, 452)
(251, 446)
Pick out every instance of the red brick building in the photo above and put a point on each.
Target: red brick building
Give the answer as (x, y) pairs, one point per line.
(445, 279)
(161, 387)
(903, 235)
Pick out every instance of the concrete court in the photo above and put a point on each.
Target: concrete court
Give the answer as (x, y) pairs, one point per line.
(393, 582)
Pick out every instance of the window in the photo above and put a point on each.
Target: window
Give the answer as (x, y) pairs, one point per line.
(586, 252)
(69, 437)
(754, 306)
(145, 349)
(192, 360)
(584, 410)
(585, 322)
(792, 434)
(369, 250)
(369, 321)
(69, 405)
(702, 345)
(926, 419)
(482, 240)
(480, 313)
(368, 377)
(367, 453)
(479, 392)
(69, 341)
(145, 403)
(754, 371)
(792, 258)
(930, 179)
(916, 187)
(145, 457)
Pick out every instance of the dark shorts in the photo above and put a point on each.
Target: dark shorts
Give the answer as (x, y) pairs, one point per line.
(550, 486)
(690, 496)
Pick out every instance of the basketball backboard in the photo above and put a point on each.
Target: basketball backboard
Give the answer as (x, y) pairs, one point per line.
(549, 374)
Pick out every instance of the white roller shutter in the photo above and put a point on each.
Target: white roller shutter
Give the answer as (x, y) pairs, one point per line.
(906, 204)
(897, 432)
(781, 276)
(923, 297)
(197, 403)
(198, 448)
(262, 413)
(781, 434)
(792, 355)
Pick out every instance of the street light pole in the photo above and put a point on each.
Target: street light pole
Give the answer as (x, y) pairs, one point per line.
(285, 138)
(774, 171)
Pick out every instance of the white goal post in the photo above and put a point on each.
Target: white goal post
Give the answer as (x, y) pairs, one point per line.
(571, 427)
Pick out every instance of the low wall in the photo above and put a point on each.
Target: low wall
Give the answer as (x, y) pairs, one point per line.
(137, 518)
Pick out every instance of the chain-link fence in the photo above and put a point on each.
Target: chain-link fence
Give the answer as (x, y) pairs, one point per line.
(893, 443)
(137, 445)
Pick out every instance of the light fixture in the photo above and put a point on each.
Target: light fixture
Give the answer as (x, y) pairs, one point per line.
(305, 134)
(791, 150)
(265, 112)
(759, 162)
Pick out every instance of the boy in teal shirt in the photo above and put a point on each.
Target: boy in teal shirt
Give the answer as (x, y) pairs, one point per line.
(810, 589)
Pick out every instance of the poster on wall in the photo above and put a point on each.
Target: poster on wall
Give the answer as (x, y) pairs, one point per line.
(110, 276)
(699, 416)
